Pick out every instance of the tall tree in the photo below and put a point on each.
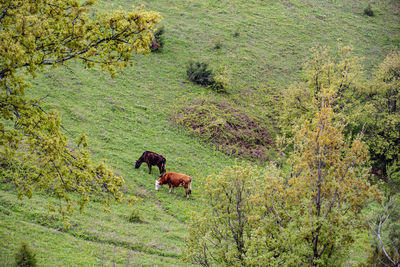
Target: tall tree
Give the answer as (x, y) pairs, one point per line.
(34, 151)
(219, 235)
(338, 73)
(308, 218)
(382, 122)
(314, 213)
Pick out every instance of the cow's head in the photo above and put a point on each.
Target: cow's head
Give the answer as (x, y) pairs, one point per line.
(158, 185)
(137, 164)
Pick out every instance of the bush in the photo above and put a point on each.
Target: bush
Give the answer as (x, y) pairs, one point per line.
(158, 42)
(198, 72)
(221, 80)
(135, 217)
(368, 11)
(25, 256)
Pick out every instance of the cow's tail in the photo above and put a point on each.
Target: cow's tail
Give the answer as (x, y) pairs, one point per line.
(190, 187)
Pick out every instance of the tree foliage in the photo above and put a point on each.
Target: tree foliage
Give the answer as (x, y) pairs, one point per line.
(34, 152)
(311, 216)
(338, 74)
(371, 107)
(308, 218)
(382, 121)
(221, 233)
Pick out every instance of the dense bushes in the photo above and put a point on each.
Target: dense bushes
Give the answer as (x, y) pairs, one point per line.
(231, 129)
(200, 73)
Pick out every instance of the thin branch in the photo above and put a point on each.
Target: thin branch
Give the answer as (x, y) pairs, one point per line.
(380, 240)
(55, 166)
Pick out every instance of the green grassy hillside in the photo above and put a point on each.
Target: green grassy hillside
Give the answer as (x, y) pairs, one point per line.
(263, 44)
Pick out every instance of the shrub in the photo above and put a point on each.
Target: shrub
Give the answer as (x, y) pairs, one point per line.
(158, 42)
(368, 11)
(198, 72)
(135, 217)
(234, 131)
(221, 80)
(25, 256)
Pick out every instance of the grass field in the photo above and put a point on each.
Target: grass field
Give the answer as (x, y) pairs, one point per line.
(263, 44)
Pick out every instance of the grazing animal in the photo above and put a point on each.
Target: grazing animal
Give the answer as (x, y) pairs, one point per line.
(152, 158)
(173, 180)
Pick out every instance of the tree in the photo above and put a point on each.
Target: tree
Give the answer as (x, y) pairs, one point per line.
(219, 235)
(382, 122)
(310, 218)
(35, 153)
(338, 74)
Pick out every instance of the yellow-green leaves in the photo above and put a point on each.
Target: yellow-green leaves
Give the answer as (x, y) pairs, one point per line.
(325, 74)
(309, 217)
(382, 122)
(329, 186)
(34, 151)
(220, 234)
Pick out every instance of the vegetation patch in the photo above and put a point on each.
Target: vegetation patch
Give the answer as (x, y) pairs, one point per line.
(158, 42)
(135, 216)
(25, 256)
(233, 130)
(368, 11)
(199, 72)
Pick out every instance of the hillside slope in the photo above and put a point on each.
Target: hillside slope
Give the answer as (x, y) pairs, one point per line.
(263, 44)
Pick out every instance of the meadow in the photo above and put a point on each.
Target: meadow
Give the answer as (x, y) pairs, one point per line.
(263, 44)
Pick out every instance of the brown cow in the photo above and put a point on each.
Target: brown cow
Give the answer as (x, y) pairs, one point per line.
(151, 158)
(173, 180)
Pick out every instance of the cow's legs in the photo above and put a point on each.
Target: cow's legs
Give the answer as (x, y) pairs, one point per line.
(160, 168)
(187, 193)
(149, 165)
(170, 189)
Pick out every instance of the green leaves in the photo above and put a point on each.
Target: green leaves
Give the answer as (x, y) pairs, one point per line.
(382, 121)
(309, 217)
(220, 234)
(34, 151)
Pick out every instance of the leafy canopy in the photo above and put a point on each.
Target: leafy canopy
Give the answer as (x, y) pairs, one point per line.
(308, 218)
(338, 73)
(220, 233)
(382, 122)
(34, 152)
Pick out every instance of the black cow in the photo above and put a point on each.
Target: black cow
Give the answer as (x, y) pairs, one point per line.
(152, 158)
